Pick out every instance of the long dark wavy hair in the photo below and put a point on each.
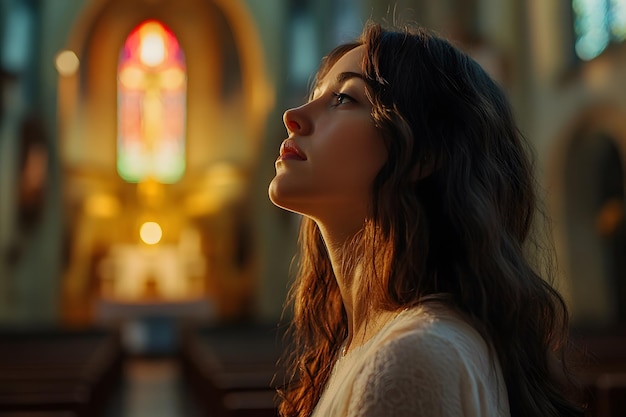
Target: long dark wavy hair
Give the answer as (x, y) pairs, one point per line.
(452, 214)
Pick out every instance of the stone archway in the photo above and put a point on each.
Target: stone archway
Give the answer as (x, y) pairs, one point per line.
(587, 177)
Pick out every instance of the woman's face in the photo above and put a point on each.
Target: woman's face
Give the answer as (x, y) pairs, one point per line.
(328, 163)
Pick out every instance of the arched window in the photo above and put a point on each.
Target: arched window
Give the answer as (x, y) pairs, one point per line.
(597, 23)
(152, 92)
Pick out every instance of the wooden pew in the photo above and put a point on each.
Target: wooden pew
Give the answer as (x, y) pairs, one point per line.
(230, 368)
(600, 357)
(609, 391)
(58, 371)
(37, 414)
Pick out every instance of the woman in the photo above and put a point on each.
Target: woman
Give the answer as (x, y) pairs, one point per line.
(414, 296)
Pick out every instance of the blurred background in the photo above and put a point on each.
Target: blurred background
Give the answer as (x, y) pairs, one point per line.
(137, 140)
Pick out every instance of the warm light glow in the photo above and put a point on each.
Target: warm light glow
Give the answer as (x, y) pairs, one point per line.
(224, 174)
(151, 233)
(102, 205)
(66, 63)
(201, 204)
(223, 183)
(132, 78)
(150, 192)
(172, 78)
(152, 45)
(610, 217)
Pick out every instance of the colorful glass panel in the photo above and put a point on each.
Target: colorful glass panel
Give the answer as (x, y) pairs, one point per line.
(597, 23)
(152, 92)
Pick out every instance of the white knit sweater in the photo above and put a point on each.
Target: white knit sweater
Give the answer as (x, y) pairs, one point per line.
(427, 362)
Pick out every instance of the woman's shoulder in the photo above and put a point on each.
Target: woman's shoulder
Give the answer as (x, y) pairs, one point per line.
(430, 359)
(435, 335)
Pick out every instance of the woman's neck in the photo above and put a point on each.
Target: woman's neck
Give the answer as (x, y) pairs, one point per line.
(345, 254)
(340, 245)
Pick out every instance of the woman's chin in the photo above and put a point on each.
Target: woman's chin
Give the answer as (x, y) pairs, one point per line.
(277, 194)
(282, 200)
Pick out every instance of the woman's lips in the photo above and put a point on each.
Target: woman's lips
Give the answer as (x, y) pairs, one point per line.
(290, 151)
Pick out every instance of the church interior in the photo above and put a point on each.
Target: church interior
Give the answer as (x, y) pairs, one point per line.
(143, 270)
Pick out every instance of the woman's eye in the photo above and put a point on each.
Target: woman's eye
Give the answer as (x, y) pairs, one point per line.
(341, 98)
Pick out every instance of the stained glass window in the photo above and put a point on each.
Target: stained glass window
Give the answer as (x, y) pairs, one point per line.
(597, 23)
(152, 91)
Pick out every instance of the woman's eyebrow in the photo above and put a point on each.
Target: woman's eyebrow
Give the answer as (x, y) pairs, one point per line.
(345, 76)
(341, 78)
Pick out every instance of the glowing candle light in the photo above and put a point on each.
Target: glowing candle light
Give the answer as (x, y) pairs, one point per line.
(151, 233)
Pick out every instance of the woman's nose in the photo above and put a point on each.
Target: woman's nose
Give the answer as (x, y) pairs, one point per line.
(296, 122)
